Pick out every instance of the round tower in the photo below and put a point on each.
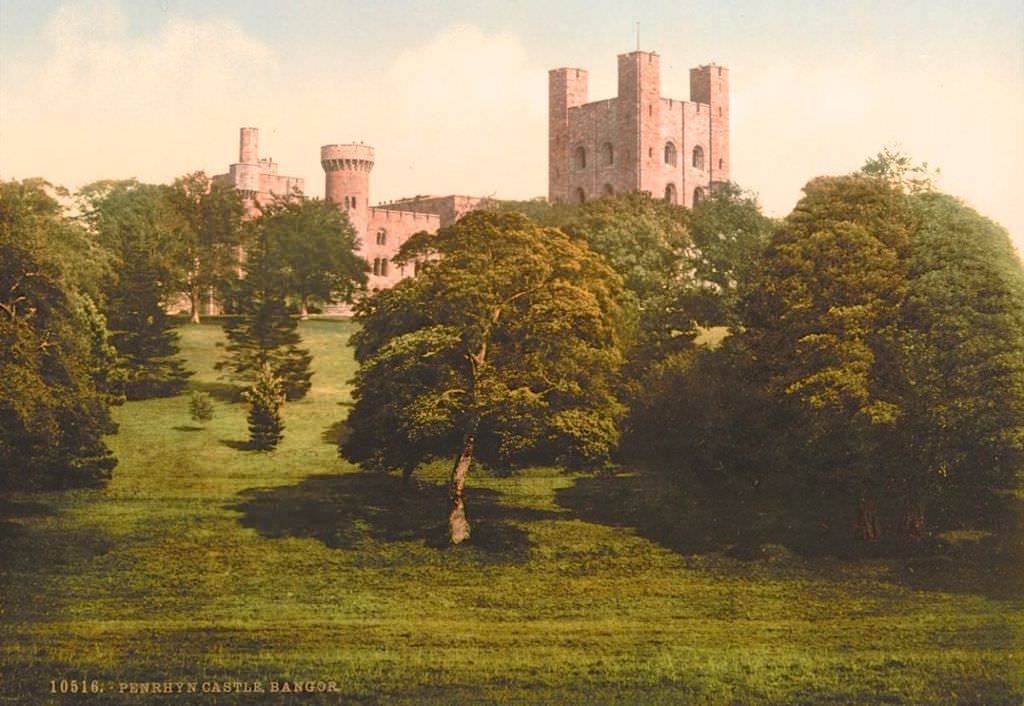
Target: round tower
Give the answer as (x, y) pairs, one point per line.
(348, 181)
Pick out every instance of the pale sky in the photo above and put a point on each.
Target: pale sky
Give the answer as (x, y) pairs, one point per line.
(453, 94)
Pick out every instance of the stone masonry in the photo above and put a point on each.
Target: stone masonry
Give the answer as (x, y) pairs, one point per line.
(637, 141)
(381, 229)
(257, 179)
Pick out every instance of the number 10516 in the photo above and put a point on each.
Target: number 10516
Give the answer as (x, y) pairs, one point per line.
(75, 686)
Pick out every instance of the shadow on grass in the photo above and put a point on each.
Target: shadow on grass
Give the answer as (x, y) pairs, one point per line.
(342, 511)
(186, 427)
(13, 510)
(684, 517)
(223, 391)
(10, 509)
(335, 433)
(238, 444)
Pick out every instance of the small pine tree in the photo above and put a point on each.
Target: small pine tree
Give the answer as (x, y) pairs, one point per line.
(265, 398)
(267, 333)
(200, 406)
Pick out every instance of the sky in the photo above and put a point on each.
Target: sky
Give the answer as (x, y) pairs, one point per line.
(453, 94)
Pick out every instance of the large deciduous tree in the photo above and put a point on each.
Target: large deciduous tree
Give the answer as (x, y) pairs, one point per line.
(318, 246)
(962, 352)
(53, 410)
(824, 324)
(212, 211)
(505, 348)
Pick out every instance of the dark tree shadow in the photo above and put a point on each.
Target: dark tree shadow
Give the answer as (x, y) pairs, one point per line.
(336, 433)
(13, 510)
(10, 509)
(223, 391)
(237, 445)
(186, 427)
(751, 525)
(343, 511)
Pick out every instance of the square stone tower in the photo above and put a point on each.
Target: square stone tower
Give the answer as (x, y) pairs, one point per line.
(637, 141)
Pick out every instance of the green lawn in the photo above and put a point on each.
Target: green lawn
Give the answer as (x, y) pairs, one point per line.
(204, 562)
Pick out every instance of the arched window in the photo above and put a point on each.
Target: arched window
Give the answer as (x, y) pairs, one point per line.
(698, 157)
(670, 193)
(698, 195)
(581, 157)
(581, 195)
(383, 267)
(608, 190)
(376, 266)
(720, 162)
(382, 237)
(609, 153)
(670, 153)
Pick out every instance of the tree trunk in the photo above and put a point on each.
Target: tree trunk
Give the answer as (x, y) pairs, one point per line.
(407, 474)
(458, 525)
(868, 527)
(303, 309)
(912, 521)
(193, 298)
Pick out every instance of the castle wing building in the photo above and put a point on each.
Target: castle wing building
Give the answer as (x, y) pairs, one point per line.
(637, 141)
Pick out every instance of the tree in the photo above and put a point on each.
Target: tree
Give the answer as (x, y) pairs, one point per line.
(200, 407)
(962, 359)
(138, 225)
(265, 332)
(53, 415)
(896, 168)
(824, 324)
(729, 235)
(318, 246)
(505, 348)
(212, 211)
(265, 398)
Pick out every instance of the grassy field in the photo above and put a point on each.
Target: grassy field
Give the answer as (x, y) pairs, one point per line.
(204, 562)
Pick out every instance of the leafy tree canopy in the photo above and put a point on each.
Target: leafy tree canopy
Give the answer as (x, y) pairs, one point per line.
(506, 347)
(53, 413)
(212, 211)
(317, 246)
(144, 234)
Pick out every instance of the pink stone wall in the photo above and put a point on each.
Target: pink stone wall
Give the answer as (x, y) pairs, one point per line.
(567, 89)
(386, 231)
(624, 139)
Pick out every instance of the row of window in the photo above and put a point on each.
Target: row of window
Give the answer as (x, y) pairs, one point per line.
(608, 155)
(350, 202)
(670, 193)
(382, 264)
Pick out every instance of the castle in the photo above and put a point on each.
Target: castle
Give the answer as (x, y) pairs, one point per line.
(381, 229)
(637, 141)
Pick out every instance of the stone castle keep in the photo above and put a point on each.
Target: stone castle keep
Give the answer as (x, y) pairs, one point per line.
(637, 141)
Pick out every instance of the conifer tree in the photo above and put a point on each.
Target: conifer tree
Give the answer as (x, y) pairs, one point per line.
(138, 226)
(265, 331)
(265, 398)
